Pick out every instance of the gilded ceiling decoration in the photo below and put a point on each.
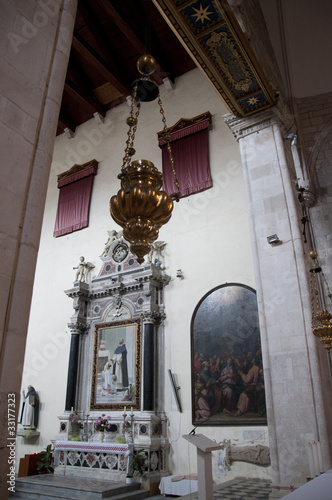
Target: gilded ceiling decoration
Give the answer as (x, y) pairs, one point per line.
(212, 36)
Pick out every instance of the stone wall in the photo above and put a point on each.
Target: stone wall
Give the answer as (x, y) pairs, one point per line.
(315, 115)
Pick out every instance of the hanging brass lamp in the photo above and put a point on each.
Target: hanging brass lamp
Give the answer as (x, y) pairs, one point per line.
(140, 207)
(321, 318)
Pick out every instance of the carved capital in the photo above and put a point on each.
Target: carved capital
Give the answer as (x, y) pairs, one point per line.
(152, 317)
(243, 126)
(78, 328)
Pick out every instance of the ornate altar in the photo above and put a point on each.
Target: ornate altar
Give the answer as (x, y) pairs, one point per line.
(115, 371)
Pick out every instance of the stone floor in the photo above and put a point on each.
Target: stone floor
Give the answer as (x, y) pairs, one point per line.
(237, 489)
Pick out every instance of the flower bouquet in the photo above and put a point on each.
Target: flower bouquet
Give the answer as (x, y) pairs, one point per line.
(102, 423)
(76, 425)
(126, 424)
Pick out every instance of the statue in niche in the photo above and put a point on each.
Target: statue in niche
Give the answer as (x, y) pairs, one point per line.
(83, 270)
(155, 253)
(112, 236)
(30, 409)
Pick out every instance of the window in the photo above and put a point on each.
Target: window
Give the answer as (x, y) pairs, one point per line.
(190, 151)
(74, 198)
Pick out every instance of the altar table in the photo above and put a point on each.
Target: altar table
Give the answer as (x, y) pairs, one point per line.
(93, 455)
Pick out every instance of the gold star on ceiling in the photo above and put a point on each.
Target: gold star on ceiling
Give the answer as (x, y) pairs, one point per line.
(201, 14)
(252, 101)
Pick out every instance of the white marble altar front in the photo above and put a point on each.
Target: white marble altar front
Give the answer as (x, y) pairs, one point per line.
(102, 458)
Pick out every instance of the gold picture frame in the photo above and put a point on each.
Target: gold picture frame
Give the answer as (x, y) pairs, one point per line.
(116, 367)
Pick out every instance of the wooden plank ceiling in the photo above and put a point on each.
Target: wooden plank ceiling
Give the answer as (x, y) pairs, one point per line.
(109, 37)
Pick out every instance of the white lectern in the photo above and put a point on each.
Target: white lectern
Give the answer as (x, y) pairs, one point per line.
(204, 447)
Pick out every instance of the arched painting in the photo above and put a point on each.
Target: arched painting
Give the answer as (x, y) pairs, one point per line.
(227, 365)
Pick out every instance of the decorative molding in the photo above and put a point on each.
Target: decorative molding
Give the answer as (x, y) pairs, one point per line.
(184, 123)
(78, 172)
(214, 39)
(242, 127)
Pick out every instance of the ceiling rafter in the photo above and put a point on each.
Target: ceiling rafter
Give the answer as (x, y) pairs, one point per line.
(83, 85)
(98, 64)
(65, 121)
(75, 92)
(95, 27)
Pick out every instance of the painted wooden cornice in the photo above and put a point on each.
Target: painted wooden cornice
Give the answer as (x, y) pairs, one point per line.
(212, 36)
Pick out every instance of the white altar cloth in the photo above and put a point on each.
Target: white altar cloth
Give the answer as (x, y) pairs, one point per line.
(177, 488)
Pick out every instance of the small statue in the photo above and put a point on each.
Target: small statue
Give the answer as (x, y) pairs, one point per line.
(112, 236)
(80, 274)
(30, 409)
(156, 248)
(83, 270)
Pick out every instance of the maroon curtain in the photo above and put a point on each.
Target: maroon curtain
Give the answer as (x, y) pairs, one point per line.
(190, 151)
(73, 206)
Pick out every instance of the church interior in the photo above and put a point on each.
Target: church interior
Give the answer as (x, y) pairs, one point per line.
(166, 197)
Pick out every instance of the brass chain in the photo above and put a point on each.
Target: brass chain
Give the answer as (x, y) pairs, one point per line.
(167, 139)
(327, 286)
(314, 294)
(132, 122)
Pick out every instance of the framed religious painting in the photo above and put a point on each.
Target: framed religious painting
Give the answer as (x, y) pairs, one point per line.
(116, 376)
(226, 359)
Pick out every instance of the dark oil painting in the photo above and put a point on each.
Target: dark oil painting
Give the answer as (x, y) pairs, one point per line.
(227, 367)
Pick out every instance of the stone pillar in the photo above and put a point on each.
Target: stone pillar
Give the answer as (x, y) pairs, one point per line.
(72, 367)
(78, 326)
(149, 371)
(298, 386)
(30, 99)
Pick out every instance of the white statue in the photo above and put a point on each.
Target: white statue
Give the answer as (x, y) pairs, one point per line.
(30, 408)
(83, 270)
(112, 236)
(80, 274)
(156, 248)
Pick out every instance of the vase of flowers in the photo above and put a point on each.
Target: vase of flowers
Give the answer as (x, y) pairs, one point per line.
(101, 426)
(127, 430)
(76, 426)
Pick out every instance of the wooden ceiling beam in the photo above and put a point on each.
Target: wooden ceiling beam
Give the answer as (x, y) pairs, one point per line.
(83, 84)
(75, 92)
(97, 63)
(98, 32)
(153, 46)
(65, 121)
(123, 26)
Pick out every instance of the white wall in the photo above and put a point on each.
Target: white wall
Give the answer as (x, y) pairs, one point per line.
(207, 237)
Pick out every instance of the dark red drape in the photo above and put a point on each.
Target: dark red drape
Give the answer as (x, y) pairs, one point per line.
(190, 151)
(73, 206)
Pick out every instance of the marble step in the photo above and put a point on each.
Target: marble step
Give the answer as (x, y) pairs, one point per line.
(49, 487)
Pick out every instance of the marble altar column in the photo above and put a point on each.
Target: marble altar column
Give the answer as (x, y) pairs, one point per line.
(78, 326)
(72, 368)
(297, 382)
(149, 375)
